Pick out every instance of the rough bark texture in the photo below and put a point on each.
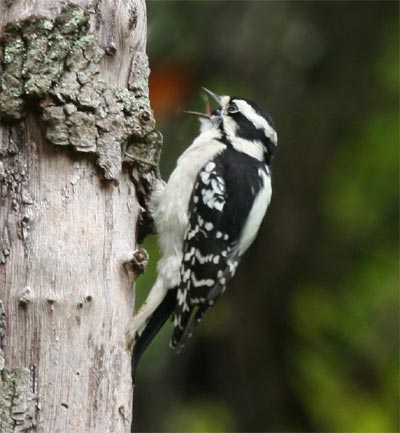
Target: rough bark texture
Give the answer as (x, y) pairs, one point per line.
(78, 149)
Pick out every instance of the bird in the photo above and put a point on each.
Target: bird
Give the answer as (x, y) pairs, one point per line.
(206, 216)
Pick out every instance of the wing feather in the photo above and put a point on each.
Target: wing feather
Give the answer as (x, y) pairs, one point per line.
(207, 253)
(228, 203)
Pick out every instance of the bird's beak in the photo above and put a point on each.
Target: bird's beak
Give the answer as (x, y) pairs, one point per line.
(197, 114)
(213, 95)
(208, 110)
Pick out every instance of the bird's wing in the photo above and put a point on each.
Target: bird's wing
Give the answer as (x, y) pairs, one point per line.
(209, 254)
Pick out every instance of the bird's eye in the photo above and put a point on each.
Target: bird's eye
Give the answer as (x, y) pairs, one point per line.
(232, 108)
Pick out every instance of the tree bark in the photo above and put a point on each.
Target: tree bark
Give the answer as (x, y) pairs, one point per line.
(73, 105)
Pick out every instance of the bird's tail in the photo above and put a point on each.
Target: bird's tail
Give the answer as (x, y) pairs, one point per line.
(153, 325)
(185, 326)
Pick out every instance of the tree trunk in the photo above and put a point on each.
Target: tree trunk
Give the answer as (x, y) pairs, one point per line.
(75, 121)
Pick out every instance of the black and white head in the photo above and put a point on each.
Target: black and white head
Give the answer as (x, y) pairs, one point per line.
(243, 124)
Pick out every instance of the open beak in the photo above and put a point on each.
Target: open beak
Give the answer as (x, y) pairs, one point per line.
(213, 95)
(207, 113)
(197, 114)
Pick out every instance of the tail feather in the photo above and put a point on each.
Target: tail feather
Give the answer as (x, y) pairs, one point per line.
(153, 325)
(181, 319)
(187, 326)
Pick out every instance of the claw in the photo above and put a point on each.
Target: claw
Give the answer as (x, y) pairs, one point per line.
(139, 261)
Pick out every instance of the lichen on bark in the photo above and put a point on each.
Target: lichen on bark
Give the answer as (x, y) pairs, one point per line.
(53, 65)
(18, 397)
(18, 402)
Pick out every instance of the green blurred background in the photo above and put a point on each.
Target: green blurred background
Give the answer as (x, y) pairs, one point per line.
(306, 337)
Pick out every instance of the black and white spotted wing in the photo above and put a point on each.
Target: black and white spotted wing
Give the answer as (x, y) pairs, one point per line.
(208, 262)
(223, 197)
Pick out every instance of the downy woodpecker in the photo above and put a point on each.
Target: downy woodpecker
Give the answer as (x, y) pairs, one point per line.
(206, 217)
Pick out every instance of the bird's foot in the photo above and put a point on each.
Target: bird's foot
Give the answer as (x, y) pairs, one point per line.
(138, 262)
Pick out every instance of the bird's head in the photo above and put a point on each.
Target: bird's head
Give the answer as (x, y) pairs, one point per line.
(242, 124)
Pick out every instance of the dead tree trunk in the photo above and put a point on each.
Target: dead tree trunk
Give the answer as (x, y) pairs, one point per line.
(77, 149)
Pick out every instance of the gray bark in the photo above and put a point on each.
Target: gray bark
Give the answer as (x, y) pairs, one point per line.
(72, 105)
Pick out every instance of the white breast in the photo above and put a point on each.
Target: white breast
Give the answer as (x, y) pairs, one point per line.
(171, 204)
(256, 214)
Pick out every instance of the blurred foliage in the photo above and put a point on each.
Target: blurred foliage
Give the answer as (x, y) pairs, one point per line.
(199, 416)
(306, 337)
(357, 201)
(346, 368)
(363, 194)
(348, 332)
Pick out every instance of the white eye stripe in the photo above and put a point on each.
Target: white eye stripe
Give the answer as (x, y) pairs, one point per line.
(258, 121)
(250, 147)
